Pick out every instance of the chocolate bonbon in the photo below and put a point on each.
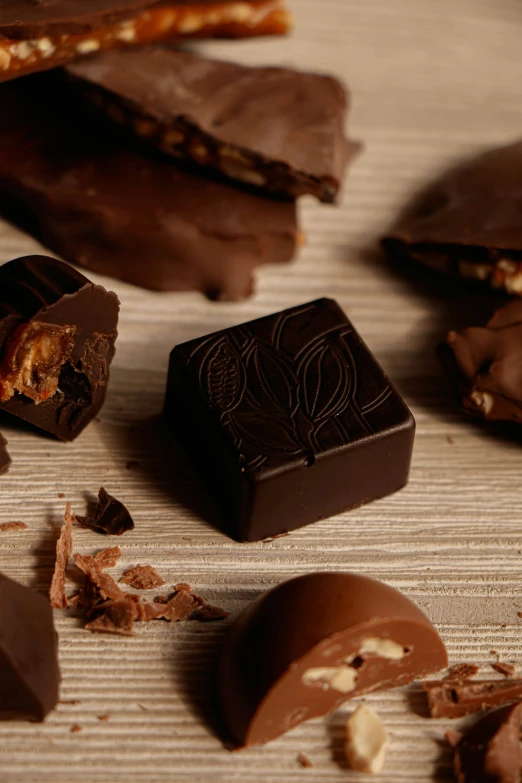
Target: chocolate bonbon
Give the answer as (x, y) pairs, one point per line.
(29, 673)
(485, 364)
(128, 215)
(36, 35)
(289, 418)
(303, 648)
(57, 334)
(469, 222)
(275, 128)
(456, 698)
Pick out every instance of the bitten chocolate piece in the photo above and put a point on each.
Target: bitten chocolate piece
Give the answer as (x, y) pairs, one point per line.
(110, 516)
(303, 648)
(456, 698)
(128, 215)
(486, 364)
(469, 223)
(29, 673)
(290, 419)
(275, 128)
(57, 334)
(36, 35)
(491, 752)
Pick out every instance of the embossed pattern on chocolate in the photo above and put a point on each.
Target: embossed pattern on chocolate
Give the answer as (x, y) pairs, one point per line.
(289, 418)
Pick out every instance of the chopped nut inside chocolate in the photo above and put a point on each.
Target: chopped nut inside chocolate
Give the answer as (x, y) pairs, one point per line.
(33, 358)
(142, 578)
(366, 740)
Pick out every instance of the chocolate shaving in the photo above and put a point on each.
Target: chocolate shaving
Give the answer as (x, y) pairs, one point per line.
(108, 558)
(178, 608)
(57, 594)
(104, 582)
(461, 671)
(504, 668)
(142, 578)
(304, 761)
(13, 526)
(209, 613)
(117, 618)
(110, 516)
(456, 698)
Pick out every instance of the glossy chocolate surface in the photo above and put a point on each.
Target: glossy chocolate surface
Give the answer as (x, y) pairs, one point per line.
(277, 128)
(290, 419)
(324, 622)
(29, 673)
(37, 290)
(125, 214)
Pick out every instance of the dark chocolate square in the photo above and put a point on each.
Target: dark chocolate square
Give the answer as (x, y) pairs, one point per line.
(290, 419)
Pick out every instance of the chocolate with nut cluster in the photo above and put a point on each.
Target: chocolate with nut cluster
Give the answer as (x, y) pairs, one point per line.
(37, 35)
(126, 214)
(275, 128)
(302, 649)
(469, 222)
(57, 334)
(290, 419)
(486, 364)
(29, 673)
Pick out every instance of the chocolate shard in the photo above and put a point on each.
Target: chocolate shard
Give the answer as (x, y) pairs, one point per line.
(142, 578)
(110, 516)
(30, 677)
(111, 206)
(469, 223)
(93, 570)
(5, 457)
(36, 35)
(490, 752)
(456, 698)
(57, 334)
(274, 128)
(117, 617)
(461, 671)
(275, 410)
(484, 363)
(57, 594)
(303, 648)
(108, 558)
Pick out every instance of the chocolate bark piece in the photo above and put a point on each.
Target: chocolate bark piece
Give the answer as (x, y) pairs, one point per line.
(456, 698)
(36, 36)
(132, 216)
(5, 457)
(490, 752)
(289, 419)
(57, 334)
(274, 128)
(110, 516)
(469, 222)
(485, 364)
(29, 673)
(303, 648)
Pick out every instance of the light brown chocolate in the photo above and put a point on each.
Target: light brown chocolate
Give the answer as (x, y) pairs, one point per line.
(456, 698)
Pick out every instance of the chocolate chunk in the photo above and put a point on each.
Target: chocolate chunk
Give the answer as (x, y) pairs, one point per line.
(274, 128)
(461, 671)
(456, 698)
(469, 223)
(36, 36)
(485, 365)
(112, 208)
(57, 333)
(8, 527)
(142, 578)
(57, 594)
(490, 752)
(504, 668)
(209, 613)
(308, 645)
(30, 677)
(274, 411)
(110, 516)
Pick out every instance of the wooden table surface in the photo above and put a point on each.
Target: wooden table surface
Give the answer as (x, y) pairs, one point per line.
(432, 80)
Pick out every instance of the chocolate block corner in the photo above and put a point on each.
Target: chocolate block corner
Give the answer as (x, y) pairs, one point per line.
(289, 419)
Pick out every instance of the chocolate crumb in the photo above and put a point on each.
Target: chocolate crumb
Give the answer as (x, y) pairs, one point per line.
(493, 652)
(450, 440)
(75, 729)
(57, 594)
(504, 668)
(461, 671)
(13, 526)
(519, 614)
(304, 761)
(142, 707)
(61, 494)
(209, 613)
(110, 516)
(142, 578)
(104, 717)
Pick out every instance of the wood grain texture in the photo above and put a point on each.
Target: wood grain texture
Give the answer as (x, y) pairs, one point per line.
(432, 80)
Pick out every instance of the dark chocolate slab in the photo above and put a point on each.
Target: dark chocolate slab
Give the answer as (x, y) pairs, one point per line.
(290, 419)
(275, 128)
(303, 648)
(29, 673)
(135, 217)
(57, 389)
(469, 222)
